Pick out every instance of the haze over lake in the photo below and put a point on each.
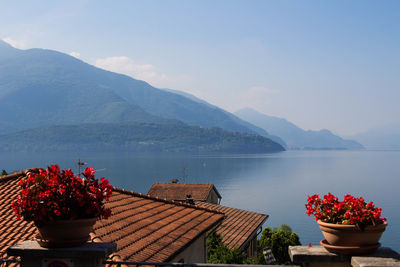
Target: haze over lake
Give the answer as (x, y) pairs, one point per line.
(276, 184)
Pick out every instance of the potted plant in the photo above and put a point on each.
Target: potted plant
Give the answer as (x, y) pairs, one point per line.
(351, 226)
(63, 207)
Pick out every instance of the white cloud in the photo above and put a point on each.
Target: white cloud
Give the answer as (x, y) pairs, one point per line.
(127, 66)
(14, 43)
(75, 54)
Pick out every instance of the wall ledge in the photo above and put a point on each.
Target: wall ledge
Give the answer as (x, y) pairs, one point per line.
(319, 256)
(89, 254)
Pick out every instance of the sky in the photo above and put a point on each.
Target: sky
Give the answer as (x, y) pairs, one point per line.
(320, 64)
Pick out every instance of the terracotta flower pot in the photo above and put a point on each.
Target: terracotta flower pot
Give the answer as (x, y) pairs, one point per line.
(64, 233)
(351, 235)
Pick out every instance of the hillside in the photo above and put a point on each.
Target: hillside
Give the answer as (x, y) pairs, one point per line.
(232, 117)
(42, 87)
(294, 136)
(135, 137)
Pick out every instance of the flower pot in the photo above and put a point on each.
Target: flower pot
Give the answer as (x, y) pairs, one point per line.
(64, 233)
(351, 235)
(350, 250)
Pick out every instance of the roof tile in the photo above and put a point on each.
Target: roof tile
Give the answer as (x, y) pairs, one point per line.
(238, 226)
(144, 228)
(179, 191)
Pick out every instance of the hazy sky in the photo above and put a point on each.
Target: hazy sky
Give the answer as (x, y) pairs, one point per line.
(320, 64)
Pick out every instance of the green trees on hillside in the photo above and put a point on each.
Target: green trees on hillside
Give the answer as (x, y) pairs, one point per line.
(139, 137)
(3, 172)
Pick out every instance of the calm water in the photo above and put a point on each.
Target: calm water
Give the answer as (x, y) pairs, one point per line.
(274, 184)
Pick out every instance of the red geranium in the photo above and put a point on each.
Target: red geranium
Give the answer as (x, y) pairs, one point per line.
(59, 195)
(353, 211)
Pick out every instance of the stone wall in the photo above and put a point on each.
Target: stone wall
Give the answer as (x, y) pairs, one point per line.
(315, 256)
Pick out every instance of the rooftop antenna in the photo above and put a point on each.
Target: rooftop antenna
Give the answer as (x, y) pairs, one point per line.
(80, 163)
(184, 174)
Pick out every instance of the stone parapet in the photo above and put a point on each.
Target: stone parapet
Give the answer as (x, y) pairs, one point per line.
(318, 256)
(90, 254)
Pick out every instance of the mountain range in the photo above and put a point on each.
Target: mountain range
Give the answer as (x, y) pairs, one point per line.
(294, 136)
(44, 88)
(386, 137)
(49, 89)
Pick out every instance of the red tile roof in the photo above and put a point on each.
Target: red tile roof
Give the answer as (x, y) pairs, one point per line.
(178, 191)
(238, 227)
(144, 228)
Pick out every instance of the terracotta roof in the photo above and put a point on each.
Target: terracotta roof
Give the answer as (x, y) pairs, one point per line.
(144, 228)
(238, 227)
(178, 191)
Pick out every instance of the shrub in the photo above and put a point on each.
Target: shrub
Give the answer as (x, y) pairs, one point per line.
(278, 240)
(218, 253)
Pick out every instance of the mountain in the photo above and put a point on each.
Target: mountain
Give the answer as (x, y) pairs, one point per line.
(43, 87)
(135, 137)
(294, 136)
(253, 128)
(386, 137)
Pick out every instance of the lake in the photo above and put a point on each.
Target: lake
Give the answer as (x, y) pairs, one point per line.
(275, 184)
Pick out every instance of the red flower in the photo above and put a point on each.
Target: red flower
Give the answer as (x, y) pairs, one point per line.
(349, 211)
(338, 207)
(52, 195)
(54, 169)
(68, 173)
(347, 214)
(89, 173)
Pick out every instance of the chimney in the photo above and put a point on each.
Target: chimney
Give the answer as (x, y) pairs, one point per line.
(189, 199)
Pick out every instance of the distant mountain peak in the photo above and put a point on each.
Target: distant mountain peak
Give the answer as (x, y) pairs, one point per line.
(6, 47)
(4, 44)
(294, 136)
(7, 50)
(324, 131)
(385, 137)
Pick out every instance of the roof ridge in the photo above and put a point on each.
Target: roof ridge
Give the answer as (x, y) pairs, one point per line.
(178, 203)
(183, 183)
(197, 202)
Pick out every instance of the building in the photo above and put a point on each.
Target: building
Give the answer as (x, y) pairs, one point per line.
(144, 228)
(238, 230)
(181, 191)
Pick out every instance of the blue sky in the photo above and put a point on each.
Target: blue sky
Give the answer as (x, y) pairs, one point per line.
(319, 64)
